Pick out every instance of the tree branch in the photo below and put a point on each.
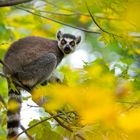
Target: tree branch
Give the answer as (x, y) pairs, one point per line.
(57, 21)
(56, 6)
(2, 75)
(29, 136)
(56, 13)
(3, 43)
(3, 102)
(69, 15)
(127, 102)
(4, 64)
(32, 105)
(93, 19)
(127, 109)
(4, 3)
(56, 115)
(66, 127)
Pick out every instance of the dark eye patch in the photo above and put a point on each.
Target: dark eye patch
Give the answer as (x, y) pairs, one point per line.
(72, 43)
(63, 42)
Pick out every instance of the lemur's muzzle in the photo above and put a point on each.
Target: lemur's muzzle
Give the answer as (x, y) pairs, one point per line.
(67, 49)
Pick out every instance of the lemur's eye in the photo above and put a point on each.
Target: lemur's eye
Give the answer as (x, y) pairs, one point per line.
(72, 43)
(63, 42)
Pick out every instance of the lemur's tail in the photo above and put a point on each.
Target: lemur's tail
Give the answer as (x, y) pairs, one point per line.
(13, 113)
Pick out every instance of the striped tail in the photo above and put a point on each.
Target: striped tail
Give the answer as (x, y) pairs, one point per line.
(13, 113)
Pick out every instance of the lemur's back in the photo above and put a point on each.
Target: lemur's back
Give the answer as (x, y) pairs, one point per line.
(25, 50)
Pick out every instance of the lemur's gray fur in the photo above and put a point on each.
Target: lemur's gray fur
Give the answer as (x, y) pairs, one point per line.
(31, 61)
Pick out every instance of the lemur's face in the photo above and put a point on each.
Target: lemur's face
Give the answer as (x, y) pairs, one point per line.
(67, 42)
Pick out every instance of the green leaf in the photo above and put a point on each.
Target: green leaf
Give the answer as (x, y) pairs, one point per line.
(44, 131)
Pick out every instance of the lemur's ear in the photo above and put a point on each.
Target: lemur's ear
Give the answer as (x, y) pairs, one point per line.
(59, 35)
(78, 40)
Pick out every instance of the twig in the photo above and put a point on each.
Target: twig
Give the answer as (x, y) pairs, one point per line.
(12, 2)
(3, 43)
(28, 135)
(54, 5)
(59, 14)
(32, 105)
(127, 109)
(127, 102)
(57, 21)
(98, 24)
(3, 102)
(56, 115)
(69, 15)
(2, 75)
(4, 64)
(56, 13)
(66, 127)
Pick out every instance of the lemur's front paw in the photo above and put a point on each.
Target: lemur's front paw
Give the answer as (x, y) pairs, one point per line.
(54, 79)
(44, 83)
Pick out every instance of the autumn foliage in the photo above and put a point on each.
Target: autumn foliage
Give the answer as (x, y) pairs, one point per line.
(101, 99)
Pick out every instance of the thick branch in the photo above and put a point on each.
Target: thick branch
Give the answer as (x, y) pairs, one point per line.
(12, 2)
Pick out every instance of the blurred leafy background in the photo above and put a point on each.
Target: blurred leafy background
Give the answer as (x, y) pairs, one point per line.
(103, 95)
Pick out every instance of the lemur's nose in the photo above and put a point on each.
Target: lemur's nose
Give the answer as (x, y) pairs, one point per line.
(67, 49)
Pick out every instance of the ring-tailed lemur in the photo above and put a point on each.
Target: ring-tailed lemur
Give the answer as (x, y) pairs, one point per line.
(31, 61)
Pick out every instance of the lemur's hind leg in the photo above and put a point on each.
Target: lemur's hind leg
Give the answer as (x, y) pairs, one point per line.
(38, 70)
(52, 79)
